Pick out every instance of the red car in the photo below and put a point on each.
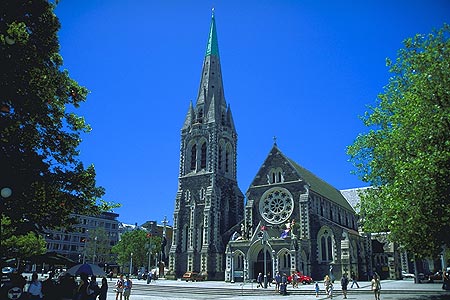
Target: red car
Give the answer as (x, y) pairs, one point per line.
(305, 279)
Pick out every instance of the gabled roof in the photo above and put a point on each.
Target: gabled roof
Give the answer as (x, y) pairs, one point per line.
(315, 184)
(320, 186)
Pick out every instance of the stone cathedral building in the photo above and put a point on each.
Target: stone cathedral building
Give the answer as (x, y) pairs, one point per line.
(208, 202)
(292, 220)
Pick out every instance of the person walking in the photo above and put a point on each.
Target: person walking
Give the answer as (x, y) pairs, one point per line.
(354, 281)
(149, 277)
(317, 289)
(344, 284)
(376, 286)
(259, 280)
(328, 286)
(283, 286)
(269, 279)
(103, 289)
(127, 285)
(35, 288)
(277, 281)
(119, 287)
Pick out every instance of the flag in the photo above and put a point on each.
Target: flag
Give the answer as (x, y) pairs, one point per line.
(285, 233)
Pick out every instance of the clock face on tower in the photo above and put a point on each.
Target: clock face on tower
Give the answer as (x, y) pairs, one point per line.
(276, 205)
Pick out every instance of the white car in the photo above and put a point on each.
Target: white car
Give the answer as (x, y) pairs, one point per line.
(407, 275)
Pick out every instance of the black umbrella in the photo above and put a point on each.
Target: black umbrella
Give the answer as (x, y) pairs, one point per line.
(89, 269)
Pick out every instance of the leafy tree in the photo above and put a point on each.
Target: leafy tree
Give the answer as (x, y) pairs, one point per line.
(19, 246)
(136, 242)
(406, 154)
(39, 131)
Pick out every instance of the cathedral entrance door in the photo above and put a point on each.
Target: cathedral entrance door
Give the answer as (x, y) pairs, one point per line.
(258, 265)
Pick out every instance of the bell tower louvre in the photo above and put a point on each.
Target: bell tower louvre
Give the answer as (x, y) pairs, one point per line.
(208, 203)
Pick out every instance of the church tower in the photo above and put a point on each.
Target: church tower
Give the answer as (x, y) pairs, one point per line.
(208, 203)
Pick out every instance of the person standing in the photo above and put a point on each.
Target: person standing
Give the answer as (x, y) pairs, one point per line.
(277, 281)
(269, 279)
(119, 287)
(344, 284)
(103, 289)
(35, 288)
(149, 277)
(127, 285)
(92, 290)
(284, 283)
(354, 281)
(317, 289)
(376, 286)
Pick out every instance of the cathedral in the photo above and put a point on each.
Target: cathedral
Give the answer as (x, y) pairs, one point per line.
(292, 220)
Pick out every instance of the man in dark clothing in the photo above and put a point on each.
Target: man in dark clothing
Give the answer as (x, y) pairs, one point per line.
(344, 284)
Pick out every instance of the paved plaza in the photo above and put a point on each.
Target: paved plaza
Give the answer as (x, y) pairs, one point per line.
(180, 290)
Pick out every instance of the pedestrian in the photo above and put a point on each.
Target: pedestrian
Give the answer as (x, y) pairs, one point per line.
(344, 284)
(269, 279)
(354, 281)
(376, 286)
(49, 290)
(92, 290)
(317, 289)
(446, 280)
(103, 289)
(127, 285)
(81, 290)
(283, 286)
(328, 286)
(149, 277)
(35, 288)
(110, 275)
(277, 281)
(119, 287)
(259, 280)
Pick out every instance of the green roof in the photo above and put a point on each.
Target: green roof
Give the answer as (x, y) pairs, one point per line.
(212, 48)
(321, 187)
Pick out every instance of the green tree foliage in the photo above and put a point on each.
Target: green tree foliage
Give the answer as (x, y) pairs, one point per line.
(137, 242)
(406, 154)
(39, 131)
(19, 246)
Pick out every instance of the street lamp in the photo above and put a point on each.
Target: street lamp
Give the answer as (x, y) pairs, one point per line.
(232, 267)
(95, 250)
(6, 192)
(131, 263)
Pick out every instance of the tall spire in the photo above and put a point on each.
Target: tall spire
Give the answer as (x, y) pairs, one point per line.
(212, 48)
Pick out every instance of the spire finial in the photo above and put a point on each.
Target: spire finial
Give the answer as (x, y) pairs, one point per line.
(275, 140)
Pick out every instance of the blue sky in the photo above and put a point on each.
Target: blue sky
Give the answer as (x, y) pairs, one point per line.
(302, 71)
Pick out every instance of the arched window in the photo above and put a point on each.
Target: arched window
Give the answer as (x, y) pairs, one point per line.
(285, 260)
(326, 246)
(203, 156)
(200, 116)
(193, 157)
(227, 160)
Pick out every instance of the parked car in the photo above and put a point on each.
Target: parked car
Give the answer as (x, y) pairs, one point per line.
(305, 279)
(407, 275)
(193, 276)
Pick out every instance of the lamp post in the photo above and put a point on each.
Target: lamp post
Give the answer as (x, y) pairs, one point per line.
(232, 267)
(131, 263)
(85, 244)
(95, 250)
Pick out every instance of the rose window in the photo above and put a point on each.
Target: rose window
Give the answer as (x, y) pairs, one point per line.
(276, 205)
